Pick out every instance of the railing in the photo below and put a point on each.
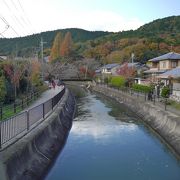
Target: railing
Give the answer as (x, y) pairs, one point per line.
(143, 97)
(10, 110)
(22, 123)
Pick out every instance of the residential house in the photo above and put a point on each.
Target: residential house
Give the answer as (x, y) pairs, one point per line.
(162, 64)
(172, 78)
(3, 58)
(108, 69)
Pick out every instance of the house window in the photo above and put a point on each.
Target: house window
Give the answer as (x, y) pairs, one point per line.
(164, 65)
(174, 64)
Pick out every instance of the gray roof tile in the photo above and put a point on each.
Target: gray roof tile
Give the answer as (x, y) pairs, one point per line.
(169, 56)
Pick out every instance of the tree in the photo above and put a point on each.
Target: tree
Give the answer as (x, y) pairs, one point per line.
(66, 47)
(126, 71)
(2, 89)
(56, 48)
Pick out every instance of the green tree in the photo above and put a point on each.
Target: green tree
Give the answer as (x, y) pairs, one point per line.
(117, 81)
(165, 92)
(2, 89)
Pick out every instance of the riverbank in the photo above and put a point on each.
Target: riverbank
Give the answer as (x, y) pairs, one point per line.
(165, 123)
(30, 157)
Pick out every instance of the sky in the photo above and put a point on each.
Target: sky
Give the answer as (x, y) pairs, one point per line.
(25, 17)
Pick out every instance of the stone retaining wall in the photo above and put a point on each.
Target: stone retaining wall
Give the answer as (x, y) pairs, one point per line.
(30, 157)
(166, 124)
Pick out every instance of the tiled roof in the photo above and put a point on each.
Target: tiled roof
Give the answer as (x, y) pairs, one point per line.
(110, 66)
(175, 73)
(169, 56)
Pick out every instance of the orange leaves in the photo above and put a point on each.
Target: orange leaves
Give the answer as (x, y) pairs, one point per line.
(126, 71)
(56, 48)
(62, 47)
(86, 72)
(66, 46)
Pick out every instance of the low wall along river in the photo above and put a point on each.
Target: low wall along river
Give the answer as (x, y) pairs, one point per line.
(166, 124)
(30, 157)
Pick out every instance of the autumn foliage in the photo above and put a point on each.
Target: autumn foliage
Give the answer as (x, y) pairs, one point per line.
(126, 71)
(18, 77)
(86, 72)
(56, 48)
(62, 46)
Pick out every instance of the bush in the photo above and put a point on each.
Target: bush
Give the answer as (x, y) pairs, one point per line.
(2, 89)
(117, 81)
(142, 88)
(165, 92)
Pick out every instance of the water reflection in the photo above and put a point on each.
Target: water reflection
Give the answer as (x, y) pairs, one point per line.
(108, 142)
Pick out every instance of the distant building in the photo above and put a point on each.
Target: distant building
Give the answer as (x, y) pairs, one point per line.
(3, 58)
(172, 78)
(108, 69)
(162, 64)
(138, 67)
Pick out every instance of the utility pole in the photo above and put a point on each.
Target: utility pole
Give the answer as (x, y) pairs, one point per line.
(132, 57)
(42, 58)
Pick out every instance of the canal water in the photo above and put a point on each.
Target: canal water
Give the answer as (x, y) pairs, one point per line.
(108, 142)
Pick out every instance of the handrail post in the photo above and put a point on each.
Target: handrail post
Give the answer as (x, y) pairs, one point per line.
(22, 104)
(27, 100)
(154, 99)
(165, 104)
(52, 103)
(1, 112)
(14, 107)
(0, 137)
(27, 120)
(43, 111)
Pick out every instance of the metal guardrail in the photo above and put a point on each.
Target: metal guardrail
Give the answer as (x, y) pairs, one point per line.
(163, 102)
(23, 122)
(18, 106)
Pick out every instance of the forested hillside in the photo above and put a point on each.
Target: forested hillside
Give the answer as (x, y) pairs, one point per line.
(26, 46)
(148, 41)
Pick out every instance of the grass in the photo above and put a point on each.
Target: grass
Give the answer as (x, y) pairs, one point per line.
(8, 110)
(175, 104)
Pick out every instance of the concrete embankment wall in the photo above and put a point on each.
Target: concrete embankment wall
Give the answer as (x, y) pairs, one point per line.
(30, 157)
(166, 124)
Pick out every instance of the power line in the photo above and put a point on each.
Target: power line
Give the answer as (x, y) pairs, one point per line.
(7, 24)
(19, 19)
(14, 5)
(14, 17)
(26, 19)
(25, 15)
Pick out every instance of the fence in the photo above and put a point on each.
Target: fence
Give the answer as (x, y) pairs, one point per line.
(21, 123)
(9, 110)
(142, 96)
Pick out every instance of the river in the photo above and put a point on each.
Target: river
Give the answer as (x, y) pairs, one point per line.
(108, 142)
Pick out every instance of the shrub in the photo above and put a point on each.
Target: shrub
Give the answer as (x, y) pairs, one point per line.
(141, 88)
(2, 89)
(165, 92)
(117, 81)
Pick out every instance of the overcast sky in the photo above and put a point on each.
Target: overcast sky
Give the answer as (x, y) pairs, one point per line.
(33, 16)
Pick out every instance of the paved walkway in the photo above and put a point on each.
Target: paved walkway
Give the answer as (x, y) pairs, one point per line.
(45, 96)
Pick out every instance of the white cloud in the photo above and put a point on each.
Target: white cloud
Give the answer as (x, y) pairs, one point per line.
(48, 15)
(94, 20)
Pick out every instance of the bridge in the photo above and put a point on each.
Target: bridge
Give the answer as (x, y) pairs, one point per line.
(76, 79)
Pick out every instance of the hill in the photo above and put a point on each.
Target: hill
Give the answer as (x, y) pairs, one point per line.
(152, 39)
(28, 45)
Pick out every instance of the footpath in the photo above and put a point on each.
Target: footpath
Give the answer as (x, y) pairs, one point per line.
(45, 96)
